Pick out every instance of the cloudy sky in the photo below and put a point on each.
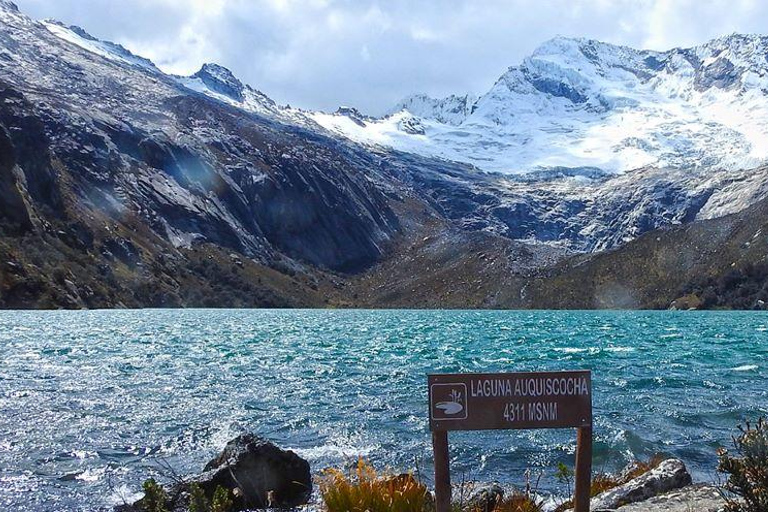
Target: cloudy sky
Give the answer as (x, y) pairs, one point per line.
(370, 53)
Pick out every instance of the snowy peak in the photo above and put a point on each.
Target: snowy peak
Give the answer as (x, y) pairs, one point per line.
(582, 103)
(737, 61)
(354, 115)
(449, 110)
(221, 80)
(107, 49)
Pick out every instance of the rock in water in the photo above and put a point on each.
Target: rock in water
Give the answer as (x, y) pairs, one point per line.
(671, 474)
(265, 475)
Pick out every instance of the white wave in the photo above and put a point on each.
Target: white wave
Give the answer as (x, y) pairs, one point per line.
(745, 368)
(335, 451)
(122, 495)
(92, 474)
(572, 350)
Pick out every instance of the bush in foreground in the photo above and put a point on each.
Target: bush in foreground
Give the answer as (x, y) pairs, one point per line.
(156, 499)
(364, 490)
(747, 469)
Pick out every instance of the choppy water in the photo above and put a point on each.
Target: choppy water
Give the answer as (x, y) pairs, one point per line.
(92, 403)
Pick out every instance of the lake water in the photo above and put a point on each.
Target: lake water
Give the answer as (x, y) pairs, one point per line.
(93, 403)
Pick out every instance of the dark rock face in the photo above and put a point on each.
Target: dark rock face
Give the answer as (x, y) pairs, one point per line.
(12, 207)
(559, 89)
(265, 475)
(25, 160)
(721, 74)
(221, 80)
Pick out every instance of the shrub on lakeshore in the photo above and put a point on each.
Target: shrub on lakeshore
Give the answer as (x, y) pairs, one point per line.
(746, 487)
(519, 501)
(155, 497)
(364, 490)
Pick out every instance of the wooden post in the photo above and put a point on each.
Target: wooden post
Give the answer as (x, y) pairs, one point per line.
(583, 469)
(442, 471)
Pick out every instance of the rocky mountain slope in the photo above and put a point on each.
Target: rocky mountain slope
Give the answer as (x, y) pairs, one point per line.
(123, 186)
(712, 264)
(106, 156)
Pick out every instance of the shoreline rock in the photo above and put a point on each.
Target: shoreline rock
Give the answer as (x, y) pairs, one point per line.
(669, 475)
(257, 474)
(695, 497)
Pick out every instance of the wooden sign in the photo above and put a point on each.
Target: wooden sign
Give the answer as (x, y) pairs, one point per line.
(481, 401)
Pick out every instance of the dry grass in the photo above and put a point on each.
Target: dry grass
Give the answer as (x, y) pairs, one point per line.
(519, 502)
(364, 490)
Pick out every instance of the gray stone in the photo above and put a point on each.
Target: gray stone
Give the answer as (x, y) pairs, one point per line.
(671, 474)
(694, 498)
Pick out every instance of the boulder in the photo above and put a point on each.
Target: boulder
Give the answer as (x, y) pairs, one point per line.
(257, 473)
(260, 474)
(486, 498)
(694, 498)
(671, 474)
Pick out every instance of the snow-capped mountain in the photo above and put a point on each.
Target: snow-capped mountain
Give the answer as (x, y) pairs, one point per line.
(130, 164)
(582, 103)
(212, 79)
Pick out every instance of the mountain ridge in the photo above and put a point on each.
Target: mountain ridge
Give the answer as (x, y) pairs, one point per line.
(123, 186)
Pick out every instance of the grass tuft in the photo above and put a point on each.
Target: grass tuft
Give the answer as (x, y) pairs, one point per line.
(519, 502)
(364, 490)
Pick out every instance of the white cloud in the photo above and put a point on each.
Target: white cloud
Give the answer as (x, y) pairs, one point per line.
(370, 53)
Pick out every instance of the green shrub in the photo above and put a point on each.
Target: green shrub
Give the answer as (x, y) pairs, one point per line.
(222, 501)
(198, 501)
(155, 497)
(520, 501)
(747, 470)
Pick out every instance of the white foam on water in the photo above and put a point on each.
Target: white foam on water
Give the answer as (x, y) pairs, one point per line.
(91, 474)
(745, 368)
(572, 350)
(121, 495)
(335, 451)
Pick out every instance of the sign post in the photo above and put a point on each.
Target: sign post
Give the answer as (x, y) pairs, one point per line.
(479, 401)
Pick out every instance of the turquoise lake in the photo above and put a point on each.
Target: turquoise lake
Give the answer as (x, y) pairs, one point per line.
(93, 403)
